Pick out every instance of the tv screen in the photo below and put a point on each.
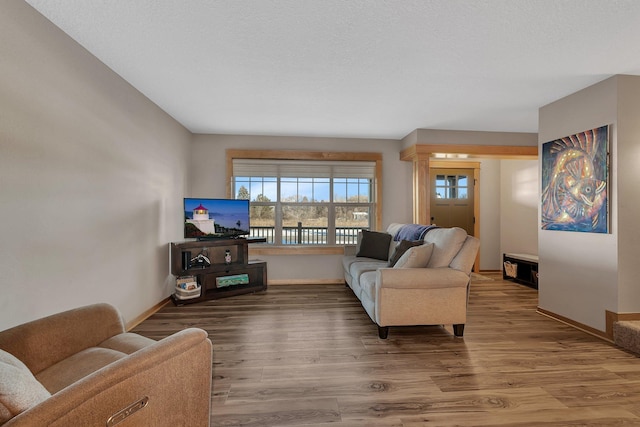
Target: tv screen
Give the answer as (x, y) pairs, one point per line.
(215, 218)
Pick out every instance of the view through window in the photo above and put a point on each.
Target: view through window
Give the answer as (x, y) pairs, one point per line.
(307, 202)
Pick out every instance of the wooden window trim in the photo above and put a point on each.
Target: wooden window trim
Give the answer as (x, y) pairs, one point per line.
(307, 155)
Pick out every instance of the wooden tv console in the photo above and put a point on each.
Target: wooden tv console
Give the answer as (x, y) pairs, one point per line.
(210, 277)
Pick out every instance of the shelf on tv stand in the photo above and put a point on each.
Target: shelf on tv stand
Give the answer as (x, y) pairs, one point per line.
(206, 276)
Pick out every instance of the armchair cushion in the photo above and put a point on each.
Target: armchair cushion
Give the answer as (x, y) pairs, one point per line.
(77, 366)
(19, 390)
(374, 245)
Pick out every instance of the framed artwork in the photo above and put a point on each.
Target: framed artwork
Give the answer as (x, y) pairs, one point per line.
(575, 173)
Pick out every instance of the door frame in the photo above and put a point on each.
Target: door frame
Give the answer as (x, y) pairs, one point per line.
(445, 164)
(421, 155)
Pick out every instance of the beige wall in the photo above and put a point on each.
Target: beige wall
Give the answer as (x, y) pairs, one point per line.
(490, 183)
(580, 273)
(461, 137)
(519, 202)
(92, 175)
(628, 185)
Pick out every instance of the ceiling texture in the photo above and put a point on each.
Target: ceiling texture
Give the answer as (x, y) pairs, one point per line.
(355, 68)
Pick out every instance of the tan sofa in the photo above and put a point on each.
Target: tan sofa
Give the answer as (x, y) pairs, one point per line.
(430, 288)
(80, 368)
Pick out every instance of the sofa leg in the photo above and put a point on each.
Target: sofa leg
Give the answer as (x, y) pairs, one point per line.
(383, 332)
(458, 330)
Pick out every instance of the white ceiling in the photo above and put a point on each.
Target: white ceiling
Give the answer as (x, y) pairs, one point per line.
(355, 68)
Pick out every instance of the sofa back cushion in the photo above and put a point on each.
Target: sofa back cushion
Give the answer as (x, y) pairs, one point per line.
(446, 245)
(393, 228)
(19, 390)
(465, 259)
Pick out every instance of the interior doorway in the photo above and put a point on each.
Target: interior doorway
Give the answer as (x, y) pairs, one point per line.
(458, 205)
(452, 198)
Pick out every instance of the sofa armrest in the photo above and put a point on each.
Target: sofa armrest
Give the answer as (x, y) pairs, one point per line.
(44, 342)
(173, 375)
(421, 278)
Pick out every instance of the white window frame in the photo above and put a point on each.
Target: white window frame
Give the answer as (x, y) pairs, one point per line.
(342, 160)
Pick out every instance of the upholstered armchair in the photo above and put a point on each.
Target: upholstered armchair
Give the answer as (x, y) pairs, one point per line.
(80, 368)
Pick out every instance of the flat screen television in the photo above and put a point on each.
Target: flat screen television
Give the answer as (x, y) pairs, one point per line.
(215, 218)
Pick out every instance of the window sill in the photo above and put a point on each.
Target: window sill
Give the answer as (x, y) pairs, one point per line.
(295, 250)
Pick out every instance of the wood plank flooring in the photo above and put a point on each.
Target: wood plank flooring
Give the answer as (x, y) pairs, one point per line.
(310, 356)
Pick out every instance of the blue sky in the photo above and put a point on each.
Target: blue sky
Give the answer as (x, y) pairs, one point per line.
(317, 191)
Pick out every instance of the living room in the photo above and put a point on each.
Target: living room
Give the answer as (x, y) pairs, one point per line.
(94, 173)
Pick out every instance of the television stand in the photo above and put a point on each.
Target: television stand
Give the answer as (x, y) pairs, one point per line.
(219, 279)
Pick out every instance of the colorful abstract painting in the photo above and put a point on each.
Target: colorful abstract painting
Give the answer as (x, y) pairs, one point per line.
(575, 182)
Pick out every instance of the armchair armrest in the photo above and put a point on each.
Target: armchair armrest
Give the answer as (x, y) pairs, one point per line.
(43, 342)
(421, 278)
(166, 383)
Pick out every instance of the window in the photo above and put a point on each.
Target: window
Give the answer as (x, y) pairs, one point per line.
(452, 186)
(307, 201)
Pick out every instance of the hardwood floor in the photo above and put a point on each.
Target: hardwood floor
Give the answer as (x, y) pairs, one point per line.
(310, 356)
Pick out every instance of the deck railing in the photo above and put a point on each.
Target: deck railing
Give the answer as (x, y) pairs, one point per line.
(301, 235)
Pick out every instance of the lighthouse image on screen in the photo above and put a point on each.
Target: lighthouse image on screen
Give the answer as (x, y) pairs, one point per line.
(215, 218)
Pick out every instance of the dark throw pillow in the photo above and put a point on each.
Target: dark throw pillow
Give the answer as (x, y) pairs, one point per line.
(402, 247)
(374, 245)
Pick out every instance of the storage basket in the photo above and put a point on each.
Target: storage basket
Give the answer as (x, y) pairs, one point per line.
(187, 294)
(511, 269)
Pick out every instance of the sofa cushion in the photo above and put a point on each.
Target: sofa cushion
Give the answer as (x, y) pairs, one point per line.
(446, 244)
(364, 265)
(402, 247)
(347, 260)
(19, 389)
(368, 284)
(393, 228)
(415, 257)
(375, 245)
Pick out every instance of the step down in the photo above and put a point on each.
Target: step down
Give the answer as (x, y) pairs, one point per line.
(626, 334)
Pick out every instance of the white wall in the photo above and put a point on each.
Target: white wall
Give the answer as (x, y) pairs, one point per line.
(578, 272)
(519, 202)
(92, 176)
(208, 180)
